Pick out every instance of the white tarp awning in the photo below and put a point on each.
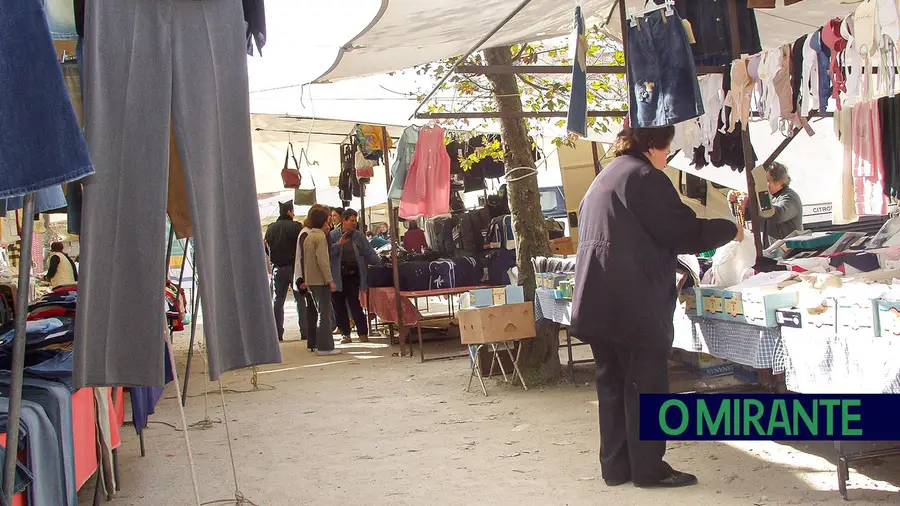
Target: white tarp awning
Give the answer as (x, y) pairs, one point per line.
(406, 33)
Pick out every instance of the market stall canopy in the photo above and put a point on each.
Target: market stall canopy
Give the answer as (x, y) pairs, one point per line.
(406, 33)
(301, 128)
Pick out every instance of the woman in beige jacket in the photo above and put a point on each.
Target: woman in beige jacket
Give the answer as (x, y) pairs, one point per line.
(316, 274)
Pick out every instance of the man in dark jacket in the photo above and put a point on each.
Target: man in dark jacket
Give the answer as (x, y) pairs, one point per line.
(633, 226)
(281, 246)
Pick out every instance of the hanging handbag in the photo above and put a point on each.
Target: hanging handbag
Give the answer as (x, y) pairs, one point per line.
(291, 177)
(305, 197)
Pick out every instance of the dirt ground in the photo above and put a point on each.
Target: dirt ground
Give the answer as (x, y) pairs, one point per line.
(370, 428)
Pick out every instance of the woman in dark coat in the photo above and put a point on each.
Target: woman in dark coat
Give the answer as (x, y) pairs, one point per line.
(633, 226)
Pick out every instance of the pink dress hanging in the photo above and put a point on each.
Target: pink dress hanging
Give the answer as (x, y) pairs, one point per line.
(427, 190)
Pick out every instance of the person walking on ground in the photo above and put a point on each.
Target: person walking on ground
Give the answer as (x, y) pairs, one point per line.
(311, 315)
(633, 227)
(351, 255)
(318, 277)
(281, 246)
(62, 270)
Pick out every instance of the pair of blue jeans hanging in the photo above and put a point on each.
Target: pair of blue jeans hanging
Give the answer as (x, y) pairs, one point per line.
(40, 141)
(662, 77)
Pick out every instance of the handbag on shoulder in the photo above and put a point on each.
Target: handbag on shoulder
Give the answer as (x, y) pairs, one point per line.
(291, 177)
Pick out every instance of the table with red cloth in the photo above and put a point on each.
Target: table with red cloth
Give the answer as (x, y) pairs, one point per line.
(84, 434)
(383, 302)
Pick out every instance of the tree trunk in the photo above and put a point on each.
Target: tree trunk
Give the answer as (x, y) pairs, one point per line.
(539, 356)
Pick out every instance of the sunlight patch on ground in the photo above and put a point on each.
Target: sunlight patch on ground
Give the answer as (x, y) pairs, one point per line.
(815, 471)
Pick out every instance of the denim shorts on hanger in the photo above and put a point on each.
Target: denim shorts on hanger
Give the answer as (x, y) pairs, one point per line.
(662, 78)
(41, 144)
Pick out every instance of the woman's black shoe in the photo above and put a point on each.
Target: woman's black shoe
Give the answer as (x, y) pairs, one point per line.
(616, 483)
(674, 480)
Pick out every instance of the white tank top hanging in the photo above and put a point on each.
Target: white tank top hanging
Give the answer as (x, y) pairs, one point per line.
(866, 27)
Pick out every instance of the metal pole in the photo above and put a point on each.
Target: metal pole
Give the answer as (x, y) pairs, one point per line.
(190, 356)
(596, 157)
(393, 228)
(462, 59)
(169, 247)
(18, 358)
(362, 206)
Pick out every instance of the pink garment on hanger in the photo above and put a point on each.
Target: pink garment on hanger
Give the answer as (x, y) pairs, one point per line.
(427, 190)
(868, 165)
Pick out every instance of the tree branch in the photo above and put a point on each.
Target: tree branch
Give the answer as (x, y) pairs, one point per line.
(524, 79)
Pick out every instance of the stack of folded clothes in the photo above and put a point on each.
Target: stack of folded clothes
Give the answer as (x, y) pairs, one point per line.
(60, 302)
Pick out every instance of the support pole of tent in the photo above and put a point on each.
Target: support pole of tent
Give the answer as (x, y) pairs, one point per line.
(190, 356)
(393, 229)
(781, 147)
(362, 207)
(462, 60)
(18, 358)
(749, 164)
(596, 157)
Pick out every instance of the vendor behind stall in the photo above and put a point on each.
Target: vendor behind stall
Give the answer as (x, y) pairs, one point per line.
(786, 202)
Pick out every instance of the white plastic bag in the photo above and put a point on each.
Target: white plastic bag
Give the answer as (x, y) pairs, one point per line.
(732, 260)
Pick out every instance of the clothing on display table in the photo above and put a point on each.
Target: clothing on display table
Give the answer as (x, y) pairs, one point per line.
(427, 189)
(41, 143)
(195, 52)
(663, 80)
(56, 400)
(44, 453)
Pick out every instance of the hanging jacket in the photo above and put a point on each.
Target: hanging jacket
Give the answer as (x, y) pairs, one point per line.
(633, 225)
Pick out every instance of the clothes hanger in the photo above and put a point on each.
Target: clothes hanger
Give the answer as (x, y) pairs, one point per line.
(668, 5)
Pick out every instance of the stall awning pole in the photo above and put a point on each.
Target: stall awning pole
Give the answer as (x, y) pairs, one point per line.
(17, 369)
(462, 59)
(396, 268)
(749, 164)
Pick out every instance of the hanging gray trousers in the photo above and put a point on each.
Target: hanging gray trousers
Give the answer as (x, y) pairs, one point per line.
(152, 65)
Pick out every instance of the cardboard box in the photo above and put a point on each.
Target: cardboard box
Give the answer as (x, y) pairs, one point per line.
(888, 318)
(857, 316)
(759, 306)
(499, 296)
(822, 319)
(563, 246)
(497, 324)
(708, 366)
(482, 297)
(689, 297)
(515, 294)
(752, 307)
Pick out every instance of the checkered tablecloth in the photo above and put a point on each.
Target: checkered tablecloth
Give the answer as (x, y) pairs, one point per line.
(738, 342)
(548, 308)
(815, 361)
(687, 332)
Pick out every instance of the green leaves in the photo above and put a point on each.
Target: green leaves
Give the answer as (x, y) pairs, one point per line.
(538, 92)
